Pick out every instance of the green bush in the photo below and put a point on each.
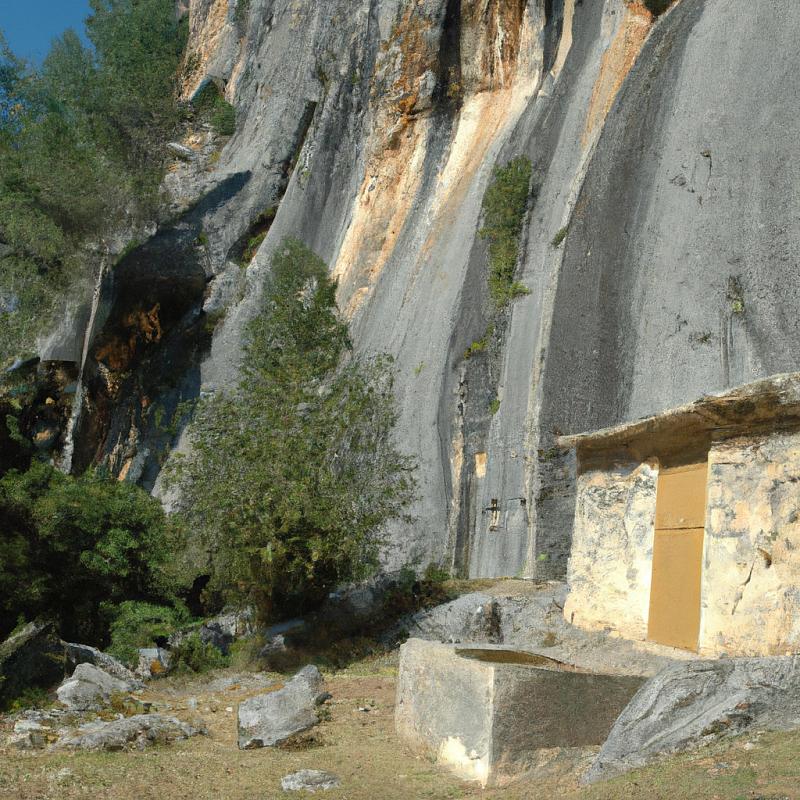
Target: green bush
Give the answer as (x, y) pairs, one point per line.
(291, 476)
(74, 548)
(195, 656)
(136, 624)
(223, 118)
(504, 206)
(211, 104)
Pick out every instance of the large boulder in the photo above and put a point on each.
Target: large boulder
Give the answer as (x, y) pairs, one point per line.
(137, 731)
(472, 617)
(269, 719)
(33, 656)
(688, 704)
(84, 654)
(90, 688)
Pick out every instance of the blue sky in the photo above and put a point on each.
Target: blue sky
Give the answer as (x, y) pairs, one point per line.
(30, 25)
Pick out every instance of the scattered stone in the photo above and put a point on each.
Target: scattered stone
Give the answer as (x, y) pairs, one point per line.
(90, 689)
(139, 731)
(274, 645)
(33, 656)
(153, 661)
(692, 703)
(181, 151)
(9, 303)
(268, 719)
(84, 654)
(309, 780)
(29, 735)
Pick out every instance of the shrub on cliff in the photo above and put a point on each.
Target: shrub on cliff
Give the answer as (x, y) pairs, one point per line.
(73, 548)
(504, 206)
(291, 476)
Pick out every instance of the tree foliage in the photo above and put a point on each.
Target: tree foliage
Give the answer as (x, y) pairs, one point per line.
(292, 475)
(74, 548)
(81, 149)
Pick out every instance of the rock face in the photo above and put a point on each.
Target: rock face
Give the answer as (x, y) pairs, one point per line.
(309, 780)
(269, 719)
(138, 731)
(373, 126)
(31, 657)
(76, 654)
(484, 712)
(90, 688)
(691, 703)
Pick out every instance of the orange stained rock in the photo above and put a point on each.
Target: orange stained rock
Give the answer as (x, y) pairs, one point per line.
(616, 64)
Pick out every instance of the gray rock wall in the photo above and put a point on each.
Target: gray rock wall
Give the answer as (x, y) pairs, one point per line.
(670, 150)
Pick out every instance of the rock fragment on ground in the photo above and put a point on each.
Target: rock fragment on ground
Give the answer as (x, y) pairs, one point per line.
(138, 731)
(688, 704)
(33, 656)
(309, 780)
(269, 719)
(90, 688)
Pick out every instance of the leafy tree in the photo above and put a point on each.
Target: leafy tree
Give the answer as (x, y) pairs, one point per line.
(73, 548)
(81, 151)
(291, 476)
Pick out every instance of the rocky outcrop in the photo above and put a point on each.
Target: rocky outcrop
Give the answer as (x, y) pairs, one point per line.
(138, 732)
(90, 689)
(700, 701)
(76, 654)
(32, 657)
(269, 719)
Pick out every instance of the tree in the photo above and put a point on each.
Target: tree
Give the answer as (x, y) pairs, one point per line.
(81, 151)
(292, 475)
(74, 548)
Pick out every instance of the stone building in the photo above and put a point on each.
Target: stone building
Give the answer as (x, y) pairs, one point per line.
(687, 525)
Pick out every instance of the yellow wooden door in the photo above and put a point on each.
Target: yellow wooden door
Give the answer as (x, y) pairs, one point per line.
(678, 556)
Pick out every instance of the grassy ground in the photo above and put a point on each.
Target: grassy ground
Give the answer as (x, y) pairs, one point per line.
(360, 746)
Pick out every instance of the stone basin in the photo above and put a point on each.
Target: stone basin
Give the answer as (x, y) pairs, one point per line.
(486, 712)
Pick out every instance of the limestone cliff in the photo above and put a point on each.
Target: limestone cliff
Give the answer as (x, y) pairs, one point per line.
(667, 147)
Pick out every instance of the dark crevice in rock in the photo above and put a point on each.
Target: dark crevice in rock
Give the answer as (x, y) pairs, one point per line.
(143, 361)
(449, 91)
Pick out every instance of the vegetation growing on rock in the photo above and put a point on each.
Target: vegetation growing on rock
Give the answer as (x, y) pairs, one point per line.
(504, 206)
(291, 476)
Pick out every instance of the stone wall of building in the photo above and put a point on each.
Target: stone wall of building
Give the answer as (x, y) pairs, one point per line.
(612, 552)
(751, 570)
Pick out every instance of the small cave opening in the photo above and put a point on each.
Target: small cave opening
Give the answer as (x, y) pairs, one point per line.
(151, 336)
(450, 91)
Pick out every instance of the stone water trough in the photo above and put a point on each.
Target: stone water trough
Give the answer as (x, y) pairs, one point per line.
(484, 712)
